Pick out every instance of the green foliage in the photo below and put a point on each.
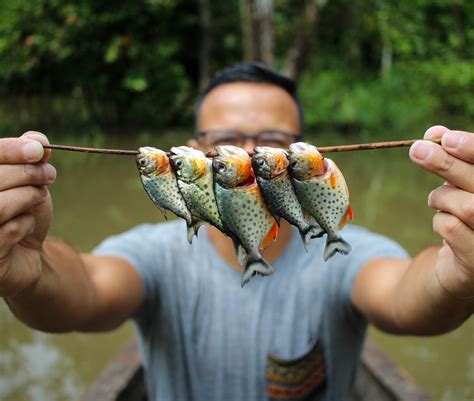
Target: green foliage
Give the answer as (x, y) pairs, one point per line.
(429, 78)
(375, 65)
(128, 59)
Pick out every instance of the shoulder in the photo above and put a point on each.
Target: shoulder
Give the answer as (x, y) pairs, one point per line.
(366, 242)
(144, 239)
(145, 232)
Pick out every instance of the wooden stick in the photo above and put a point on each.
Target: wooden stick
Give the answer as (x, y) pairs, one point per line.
(92, 150)
(323, 149)
(373, 145)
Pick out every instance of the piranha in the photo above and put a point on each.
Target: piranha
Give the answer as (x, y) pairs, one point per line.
(322, 191)
(160, 184)
(242, 207)
(270, 166)
(195, 181)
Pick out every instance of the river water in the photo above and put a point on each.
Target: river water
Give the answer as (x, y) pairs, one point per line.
(99, 195)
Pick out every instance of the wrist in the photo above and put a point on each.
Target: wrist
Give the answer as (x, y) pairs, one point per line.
(456, 290)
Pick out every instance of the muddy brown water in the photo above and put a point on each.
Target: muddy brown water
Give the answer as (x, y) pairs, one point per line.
(95, 196)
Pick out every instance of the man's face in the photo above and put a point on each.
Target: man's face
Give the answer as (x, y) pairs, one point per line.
(247, 108)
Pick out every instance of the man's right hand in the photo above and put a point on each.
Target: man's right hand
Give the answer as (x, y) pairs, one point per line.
(25, 210)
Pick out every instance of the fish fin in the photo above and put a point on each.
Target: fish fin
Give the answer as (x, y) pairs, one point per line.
(255, 266)
(192, 229)
(336, 244)
(311, 232)
(163, 212)
(271, 235)
(332, 180)
(347, 215)
(239, 251)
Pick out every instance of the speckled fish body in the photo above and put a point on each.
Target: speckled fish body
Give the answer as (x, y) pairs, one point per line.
(270, 167)
(242, 207)
(160, 183)
(322, 192)
(195, 181)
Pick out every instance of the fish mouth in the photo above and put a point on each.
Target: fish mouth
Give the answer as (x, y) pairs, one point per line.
(278, 173)
(249, 181)
(325, 168)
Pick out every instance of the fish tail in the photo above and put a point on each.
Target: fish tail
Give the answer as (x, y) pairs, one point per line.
(336, 244)
(310, 232)
(192, 229)
(255, 266)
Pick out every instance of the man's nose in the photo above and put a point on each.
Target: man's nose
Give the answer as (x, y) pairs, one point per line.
(248, 145)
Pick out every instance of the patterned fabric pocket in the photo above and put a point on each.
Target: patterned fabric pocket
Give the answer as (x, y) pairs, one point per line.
(299, 379)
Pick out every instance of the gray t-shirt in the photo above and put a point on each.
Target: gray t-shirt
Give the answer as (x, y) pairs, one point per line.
(294, 335)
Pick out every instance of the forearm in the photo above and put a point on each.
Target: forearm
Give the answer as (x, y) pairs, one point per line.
(421, 306)
(63, 297)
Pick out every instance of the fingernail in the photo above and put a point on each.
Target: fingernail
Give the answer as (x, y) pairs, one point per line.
(421, 150)
(429, 198)
(33, 151)
(452, 139)
(50, 172)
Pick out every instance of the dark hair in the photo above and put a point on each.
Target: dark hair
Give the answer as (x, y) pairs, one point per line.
(252, 72)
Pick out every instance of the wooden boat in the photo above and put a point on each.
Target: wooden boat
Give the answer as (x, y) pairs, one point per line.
(377, 379)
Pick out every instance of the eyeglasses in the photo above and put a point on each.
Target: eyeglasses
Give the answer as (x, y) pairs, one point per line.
(263, 138)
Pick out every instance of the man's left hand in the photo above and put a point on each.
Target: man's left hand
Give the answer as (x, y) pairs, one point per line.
(453, 160)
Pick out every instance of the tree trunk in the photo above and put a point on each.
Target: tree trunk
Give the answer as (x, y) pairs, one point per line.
(304, 37)
(205, 45)
(257, 30)
(386, 54)
(247, 29)
(263, 11)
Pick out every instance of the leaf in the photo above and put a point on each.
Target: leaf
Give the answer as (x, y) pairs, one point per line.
(136, 83)
(113, 51)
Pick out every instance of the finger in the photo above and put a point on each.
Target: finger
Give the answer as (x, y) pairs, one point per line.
(20, 200)
(19, 175)
(436, 131)
(20, 151)
(457, 234)
(460, 144)
(12, 232)
(434, 158)
(455, 201)
(41, 138)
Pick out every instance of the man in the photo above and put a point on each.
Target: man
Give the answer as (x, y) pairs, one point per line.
(296, 334)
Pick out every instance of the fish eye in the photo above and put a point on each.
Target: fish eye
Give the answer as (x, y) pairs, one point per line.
(294, 163)
(179, 163)
(220, 167)
(260, 162)
(142, 162)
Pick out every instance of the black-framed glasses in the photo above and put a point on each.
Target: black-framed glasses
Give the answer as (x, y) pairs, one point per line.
(274, 138)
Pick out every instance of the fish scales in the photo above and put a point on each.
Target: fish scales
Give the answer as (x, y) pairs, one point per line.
(322, 192)
(250, 227)
(327, 204)
(242, 208)
(270, 165)
(160, 183)
(199, 197)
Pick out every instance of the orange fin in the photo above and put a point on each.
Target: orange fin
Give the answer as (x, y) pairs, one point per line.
(348, 214)
(332, 180)
(271, 235)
